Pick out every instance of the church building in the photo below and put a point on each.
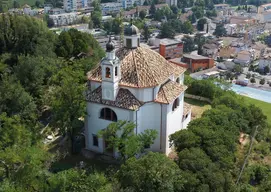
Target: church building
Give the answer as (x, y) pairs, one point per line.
(135, 84)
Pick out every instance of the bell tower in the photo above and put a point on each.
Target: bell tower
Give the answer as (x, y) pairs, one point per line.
(131, 37)
(111, 72)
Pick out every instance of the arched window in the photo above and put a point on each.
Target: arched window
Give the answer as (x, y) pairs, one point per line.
(178, 80)
(107, 72)
(108, 114)
(116, 71)
(175, 104)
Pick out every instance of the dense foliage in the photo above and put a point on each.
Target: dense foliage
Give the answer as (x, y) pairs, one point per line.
(34, 80)
(42, 81)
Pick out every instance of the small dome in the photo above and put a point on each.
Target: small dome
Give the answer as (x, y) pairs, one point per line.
(131, 30)
(110, 45)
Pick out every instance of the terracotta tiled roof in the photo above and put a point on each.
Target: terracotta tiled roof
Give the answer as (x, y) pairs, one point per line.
(186, 108)
(125, 99)
(227, 51)
(209, 46)
(169, 92)
(141, 67)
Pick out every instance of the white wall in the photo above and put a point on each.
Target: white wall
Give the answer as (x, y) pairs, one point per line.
(149, 117)
(174, 120)
(142, 94)
(95, 124)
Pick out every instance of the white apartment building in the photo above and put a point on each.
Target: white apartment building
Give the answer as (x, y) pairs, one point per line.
(171, 2)
(130, 3)
(109, 8)
(64, 19)
(73, 5)
(70, 5)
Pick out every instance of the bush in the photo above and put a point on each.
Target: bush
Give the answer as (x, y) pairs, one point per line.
(204, 88)
(253, 80)
(262, 81)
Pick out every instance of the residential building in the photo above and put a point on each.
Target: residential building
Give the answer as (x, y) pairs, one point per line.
(171, 2)
(244, 58)
(219, 7)
(226, 52)
(210, 49)
(26, 9)
(231, 29)
(264, 8)
(259, 48)
(264, 17)
(70, 5)
(134, 13)
(194, 62)
(265, 60)
(137, 85)
(242, 20)
(130, 3)
(81, 4)
(170, 48)
(226, 65)
(56, 11)
(111, 8)
(64, 19)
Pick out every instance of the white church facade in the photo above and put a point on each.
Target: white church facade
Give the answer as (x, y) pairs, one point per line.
(135, 84)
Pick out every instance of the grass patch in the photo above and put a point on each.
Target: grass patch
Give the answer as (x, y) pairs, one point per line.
(198, 107)
(28, 2)
(266, 107)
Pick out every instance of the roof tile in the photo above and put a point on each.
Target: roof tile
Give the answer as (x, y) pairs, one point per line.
(125, 99)
(141, 67)
(169, 92)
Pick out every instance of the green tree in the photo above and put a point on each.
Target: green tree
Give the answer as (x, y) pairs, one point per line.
(266, 69)
(15, 100)
(65, 45)
(49, 21)
(142, 14)
(33, 73)
(25, 35)
(187, 27)
(167, 31)
(198, 11)
(199, 40)
(146, 32)
(90, 24)
(78, 180)
(237, 69)
(201, 23)
(117, 25)
(174, 9)
(252, 80)
(248, 76)
(4, 5)
(152, 172)
(108, 26)
(220, 30)
(152, 9)
(38, 4)
(67, 100)
(96, 17)
(16, 4)
(188, 44)
(73, 42)
(262, 81)
(121, 136)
